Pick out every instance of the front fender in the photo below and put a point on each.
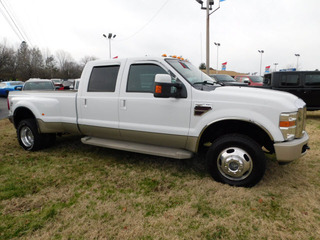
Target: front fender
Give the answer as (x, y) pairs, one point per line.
(264, 121)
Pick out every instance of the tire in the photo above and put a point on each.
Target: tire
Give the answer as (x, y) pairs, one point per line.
(236, 160)
(28, 136)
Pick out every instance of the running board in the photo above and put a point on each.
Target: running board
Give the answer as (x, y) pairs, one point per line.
(138, 148)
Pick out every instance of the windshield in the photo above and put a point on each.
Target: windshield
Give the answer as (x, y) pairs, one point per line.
(223, 78)
(189, 72)
(16, 83)
(257, 79)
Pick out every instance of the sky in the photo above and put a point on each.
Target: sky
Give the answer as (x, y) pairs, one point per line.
(281, 28)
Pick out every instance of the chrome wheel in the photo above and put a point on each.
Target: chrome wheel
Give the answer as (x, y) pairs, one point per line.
(234, 164)
(26, 136)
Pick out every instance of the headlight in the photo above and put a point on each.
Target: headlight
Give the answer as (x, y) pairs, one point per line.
(288, 125)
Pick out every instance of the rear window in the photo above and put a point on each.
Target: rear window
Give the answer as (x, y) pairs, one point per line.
(290, 80)
(38, 86)
(256, 79)
(103, 79)
(16, 83)
(313, 79)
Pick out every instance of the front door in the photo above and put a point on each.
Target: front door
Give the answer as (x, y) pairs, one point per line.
(146, 119)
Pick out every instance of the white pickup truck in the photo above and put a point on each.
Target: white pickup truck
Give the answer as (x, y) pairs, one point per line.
(167, 107)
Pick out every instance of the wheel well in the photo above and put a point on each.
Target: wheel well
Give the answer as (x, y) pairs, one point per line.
(21, 114)
(235, 126)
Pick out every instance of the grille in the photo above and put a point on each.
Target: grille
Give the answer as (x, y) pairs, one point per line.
(301, 122)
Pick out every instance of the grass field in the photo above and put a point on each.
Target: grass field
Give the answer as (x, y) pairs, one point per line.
(75, 191)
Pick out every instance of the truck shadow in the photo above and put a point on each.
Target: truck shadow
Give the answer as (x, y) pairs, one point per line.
(71, 146)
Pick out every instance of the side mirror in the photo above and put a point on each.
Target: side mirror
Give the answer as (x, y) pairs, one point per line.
(164, 88)
(247, 82)
(19, 88)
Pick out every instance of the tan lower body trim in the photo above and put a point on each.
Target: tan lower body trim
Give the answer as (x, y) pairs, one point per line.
(158, 139)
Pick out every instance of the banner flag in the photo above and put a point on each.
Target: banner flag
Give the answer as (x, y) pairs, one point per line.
(267, 70)
(224, 66)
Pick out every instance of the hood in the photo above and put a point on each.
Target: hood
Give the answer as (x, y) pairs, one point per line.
(252, 97)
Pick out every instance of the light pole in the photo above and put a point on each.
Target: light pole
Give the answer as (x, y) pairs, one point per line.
(110, 36)
(218, 45)
(261, 52)
(297, 55)
(275, 66)
(208, 8)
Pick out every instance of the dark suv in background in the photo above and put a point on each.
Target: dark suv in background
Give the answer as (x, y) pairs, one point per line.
(304, 84)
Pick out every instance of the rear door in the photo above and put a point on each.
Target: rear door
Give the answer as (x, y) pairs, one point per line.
(291, 82)
(312, 90)
(98, 105)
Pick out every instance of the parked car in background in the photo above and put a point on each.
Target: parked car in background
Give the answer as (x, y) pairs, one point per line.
(6, 87)
(76, 84)
(226, 80)
(38, 84)
(303, 84)
(250, 80)
(58, 83)
(68, 84)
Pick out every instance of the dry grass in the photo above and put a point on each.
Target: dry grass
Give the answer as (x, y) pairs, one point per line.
(74, 191)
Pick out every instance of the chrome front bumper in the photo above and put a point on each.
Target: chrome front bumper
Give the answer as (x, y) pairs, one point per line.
(291, 150)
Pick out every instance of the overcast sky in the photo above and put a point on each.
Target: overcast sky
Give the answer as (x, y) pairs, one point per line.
(282, 28)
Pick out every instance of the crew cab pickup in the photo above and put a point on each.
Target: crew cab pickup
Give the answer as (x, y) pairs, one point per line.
(167, 107)
(303, 84)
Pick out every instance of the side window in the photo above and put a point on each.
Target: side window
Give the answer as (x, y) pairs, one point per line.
(290, 80)
(103, 79)
(141, 77)
(313, 79)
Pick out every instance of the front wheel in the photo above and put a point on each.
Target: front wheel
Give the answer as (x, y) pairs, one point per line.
(237, 160)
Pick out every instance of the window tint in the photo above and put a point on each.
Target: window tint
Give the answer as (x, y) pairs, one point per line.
(290, 80)
(313, 79)
(103, 79)
(16, 83)
(141, 77)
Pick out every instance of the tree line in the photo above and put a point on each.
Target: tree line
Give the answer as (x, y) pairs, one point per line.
(25, 63)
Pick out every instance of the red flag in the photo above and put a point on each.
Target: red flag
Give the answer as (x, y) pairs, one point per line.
(115, 57)
(225, 63)
(267, 66)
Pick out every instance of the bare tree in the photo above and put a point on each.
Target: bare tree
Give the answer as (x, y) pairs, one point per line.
(67, 67)
(23, 62)
(86, 59)
(36, 63)
(7, 61)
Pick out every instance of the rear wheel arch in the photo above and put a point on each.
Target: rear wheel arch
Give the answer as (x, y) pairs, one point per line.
(22, 113)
